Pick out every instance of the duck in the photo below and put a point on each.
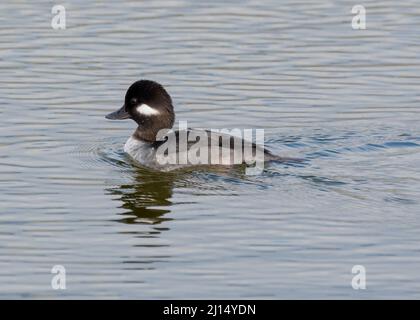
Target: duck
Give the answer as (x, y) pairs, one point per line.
(154, 143)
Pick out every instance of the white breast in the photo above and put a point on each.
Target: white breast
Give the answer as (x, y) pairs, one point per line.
(140, 151)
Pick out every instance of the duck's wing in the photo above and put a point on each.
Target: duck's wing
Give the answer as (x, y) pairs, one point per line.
(218, 140)
(224, 140)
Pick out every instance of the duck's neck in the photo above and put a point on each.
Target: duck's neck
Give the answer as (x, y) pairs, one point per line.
(149, 135)
(144, 135)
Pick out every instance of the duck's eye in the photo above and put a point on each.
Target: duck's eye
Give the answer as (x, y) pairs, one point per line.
(133, 101)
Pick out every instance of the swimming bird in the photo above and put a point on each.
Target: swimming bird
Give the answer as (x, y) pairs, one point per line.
(154, 145)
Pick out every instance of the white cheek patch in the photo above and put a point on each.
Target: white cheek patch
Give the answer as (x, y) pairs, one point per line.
(146, 110)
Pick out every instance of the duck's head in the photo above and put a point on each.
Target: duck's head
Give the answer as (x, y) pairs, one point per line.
(148, 104)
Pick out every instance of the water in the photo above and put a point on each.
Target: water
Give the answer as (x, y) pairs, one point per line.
(347, 101)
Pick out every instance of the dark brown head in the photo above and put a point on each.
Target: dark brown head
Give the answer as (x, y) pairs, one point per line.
(148, 104)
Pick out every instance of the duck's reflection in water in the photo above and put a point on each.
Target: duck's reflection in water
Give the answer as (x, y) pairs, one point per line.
(145, 202)
(147, 199)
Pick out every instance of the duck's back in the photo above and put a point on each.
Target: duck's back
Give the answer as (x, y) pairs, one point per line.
(196, 147)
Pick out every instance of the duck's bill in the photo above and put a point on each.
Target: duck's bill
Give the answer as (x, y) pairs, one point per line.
(120, 114)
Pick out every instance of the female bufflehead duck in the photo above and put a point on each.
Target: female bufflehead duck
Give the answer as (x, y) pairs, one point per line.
(150, 106)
